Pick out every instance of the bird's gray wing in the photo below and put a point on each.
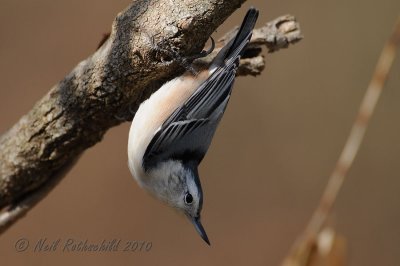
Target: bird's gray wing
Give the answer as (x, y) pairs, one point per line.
(187, 133)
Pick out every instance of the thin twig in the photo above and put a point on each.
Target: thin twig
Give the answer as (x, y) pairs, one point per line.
(302, 249)
(357, 132)
(275, 35)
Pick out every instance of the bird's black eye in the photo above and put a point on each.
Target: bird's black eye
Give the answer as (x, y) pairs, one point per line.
(188, 198)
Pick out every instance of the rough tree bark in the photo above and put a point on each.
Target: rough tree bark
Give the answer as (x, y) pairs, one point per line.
(74, 115)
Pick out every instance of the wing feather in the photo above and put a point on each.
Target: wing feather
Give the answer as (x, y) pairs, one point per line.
(187, 133)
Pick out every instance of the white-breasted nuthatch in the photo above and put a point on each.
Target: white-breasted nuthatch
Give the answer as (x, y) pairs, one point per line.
(172, 130)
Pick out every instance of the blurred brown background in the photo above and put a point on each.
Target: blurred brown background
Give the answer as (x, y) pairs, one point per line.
(269, 161)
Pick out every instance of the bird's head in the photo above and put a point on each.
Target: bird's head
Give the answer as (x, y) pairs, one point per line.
(178, 185)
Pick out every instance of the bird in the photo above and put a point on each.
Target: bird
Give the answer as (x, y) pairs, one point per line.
(173, 129)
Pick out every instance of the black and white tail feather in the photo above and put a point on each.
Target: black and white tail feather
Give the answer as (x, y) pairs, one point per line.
(187, 133)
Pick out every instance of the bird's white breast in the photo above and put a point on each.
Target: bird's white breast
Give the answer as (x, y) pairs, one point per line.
(151, 115)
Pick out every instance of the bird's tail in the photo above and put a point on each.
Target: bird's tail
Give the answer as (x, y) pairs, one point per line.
(236, 46)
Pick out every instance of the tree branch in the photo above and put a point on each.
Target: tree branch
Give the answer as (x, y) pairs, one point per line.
(74, 115)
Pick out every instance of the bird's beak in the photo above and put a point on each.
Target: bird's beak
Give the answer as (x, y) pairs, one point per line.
(199, 228)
